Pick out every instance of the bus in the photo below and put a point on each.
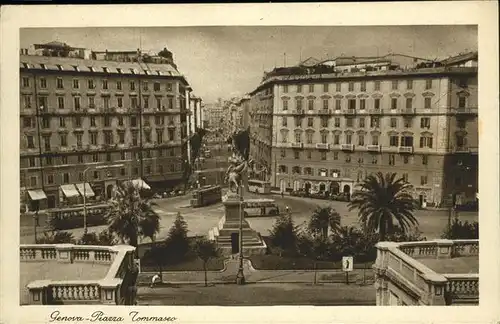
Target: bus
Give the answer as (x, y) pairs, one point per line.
(259, 186)
(206, 195)
(209, 177)
(260, 207)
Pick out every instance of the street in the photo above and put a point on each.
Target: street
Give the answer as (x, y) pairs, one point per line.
(201, 220)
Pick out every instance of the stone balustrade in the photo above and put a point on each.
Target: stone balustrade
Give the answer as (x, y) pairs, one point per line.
(399, 263)
(111, 289)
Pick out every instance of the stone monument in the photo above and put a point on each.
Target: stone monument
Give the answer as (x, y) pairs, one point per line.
(232, 224)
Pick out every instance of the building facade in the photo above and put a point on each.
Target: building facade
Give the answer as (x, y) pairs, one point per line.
(79, 115)
(328, 131)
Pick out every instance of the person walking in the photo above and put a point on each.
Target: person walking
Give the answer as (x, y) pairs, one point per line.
(155, 278)
(282, 194)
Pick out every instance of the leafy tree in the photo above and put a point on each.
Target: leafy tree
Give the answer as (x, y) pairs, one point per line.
(106, 238)
(461, 230)
(284, 234)
(322, 219)
(177, 243)
(206, 250)
(384, 201)
(102, 238)
(56, 237)
(130, 216)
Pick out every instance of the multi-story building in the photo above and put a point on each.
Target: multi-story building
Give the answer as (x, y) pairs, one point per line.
(325, 130)
(80, 114)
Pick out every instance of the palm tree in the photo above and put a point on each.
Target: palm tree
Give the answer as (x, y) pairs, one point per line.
(206, 250)
(384, 201)
(322, 219)
(130, 216)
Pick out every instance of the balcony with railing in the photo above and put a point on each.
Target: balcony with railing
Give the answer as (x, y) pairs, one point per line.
(322, 146)
(439, 272)
(57, 274)
(347, 147)
(373, 148)
(405, 149)
(466, 110)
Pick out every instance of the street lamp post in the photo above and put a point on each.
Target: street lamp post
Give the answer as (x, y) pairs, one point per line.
(99, 167)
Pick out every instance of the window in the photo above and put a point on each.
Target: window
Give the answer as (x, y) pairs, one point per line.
(311, 88)
(120, 102)
(427, 103)
(30, 141)
(348, 138)
(65, 177)
(169, 87)
(310, 122)
(91, 102)
(48, 160)
(377, 103)
(338, 87)
(285, 88)
(60, 102)
(171, 134)
(324, 137)
(325, 87)
(461, 102)
(377, 85)
(361, 140)
(394, 122)
(93, 138)
(79, 140)
(362, 122)
(409, 84)
(43, 83)
(46, 122)
(118, 85)
(351, 104)
(92, 122)
(409, 103)
(395, 85)
(394, 103)
(392, 159)
(80, 158)
(31, 162)
(299, 103)
(406, 159)
(461, 123)
(76, 83)
(324, 122)
(76, 103)
(349, 122)
(284, 121)
(428, 84)
(121, 137)
(362, 104)
(90, 84)
(133, 102)
(336, 139)
(105, 84)
(107, 121)
(108, 157)
(299, 88)
(393, 140)
(146, 102)
(351, 86)
(159, 136)
(158, 103)
(408, 122)
(296, 154)
(374, 139)
(348, 158)
(33, 181)
(26, 82)
(42, 102)
(156, 86)
(423, 180)
(374, 159)
(132, 86)
(426, 141)
(283, 153)
(145, 86)
(425, 159)
(336, 122)
(96, 174)
(62, 122)
(363, 85)
(27, 102)
(407, 141)
(147, 136)
(285, 104)
(338, 104)
(134, 138)
(309, 155)
(425, 122)
(323, 155)
(310, 104)
(59, 83)
(78, 121)
(27, 122)
(95, 157)
(325, 104)
(298, 138)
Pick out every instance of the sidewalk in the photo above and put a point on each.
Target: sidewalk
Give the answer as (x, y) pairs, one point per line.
(228, 276)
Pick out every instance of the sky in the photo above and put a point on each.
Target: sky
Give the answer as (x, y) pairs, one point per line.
(225, 62)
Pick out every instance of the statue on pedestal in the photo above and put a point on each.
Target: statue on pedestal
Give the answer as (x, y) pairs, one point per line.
(240, 160)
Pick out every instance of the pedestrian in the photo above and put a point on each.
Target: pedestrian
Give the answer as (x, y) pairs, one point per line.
(155, 278)
(282, 194)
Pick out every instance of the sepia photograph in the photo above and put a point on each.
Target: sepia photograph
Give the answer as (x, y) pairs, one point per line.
(321, 168)
(323, 172)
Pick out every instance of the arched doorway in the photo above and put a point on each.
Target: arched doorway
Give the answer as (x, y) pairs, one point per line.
(347, 189)
(109, 191)
(334, 188)
(307, 187)
(322, 187)
(296, 185)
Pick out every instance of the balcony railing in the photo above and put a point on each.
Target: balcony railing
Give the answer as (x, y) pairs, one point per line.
(466, 110)
(296, 145)
(322, 146)
(351, 111)
(373, 148)
(408, 111)
(347, 147)
(405, 149)
(324, 112)
(108, 290)
(466, 149)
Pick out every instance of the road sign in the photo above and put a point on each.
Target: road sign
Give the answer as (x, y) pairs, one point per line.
(347, 263)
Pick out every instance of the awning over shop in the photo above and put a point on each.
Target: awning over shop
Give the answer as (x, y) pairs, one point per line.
(88, 189)
(141, 184)
(37, 194)
(69, 191)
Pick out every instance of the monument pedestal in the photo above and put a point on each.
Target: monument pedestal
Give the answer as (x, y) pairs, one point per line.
(226, 234)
